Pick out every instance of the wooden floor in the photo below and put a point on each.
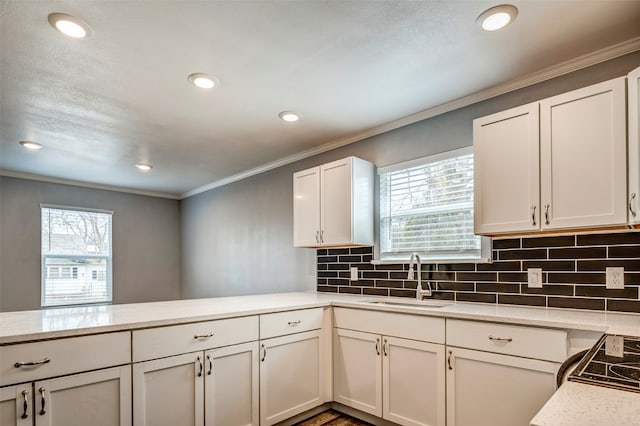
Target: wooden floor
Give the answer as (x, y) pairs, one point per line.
(332, 418)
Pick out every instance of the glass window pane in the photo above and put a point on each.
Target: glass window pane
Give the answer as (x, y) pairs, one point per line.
(76, 257)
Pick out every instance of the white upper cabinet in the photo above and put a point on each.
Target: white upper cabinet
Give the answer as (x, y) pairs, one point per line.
(633, 81)
(583, 157)
(507, 171)
(560, 163)
(333, 204)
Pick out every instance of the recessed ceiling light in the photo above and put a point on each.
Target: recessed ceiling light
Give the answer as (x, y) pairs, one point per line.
(289, 116)
(70, 25)
(203, 81)
(497, 17)
(33, 146)
(144, 167)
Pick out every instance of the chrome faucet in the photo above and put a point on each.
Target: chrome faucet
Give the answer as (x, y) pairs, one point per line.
(420, 292)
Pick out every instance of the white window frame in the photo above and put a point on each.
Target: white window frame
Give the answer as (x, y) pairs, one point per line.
(109, 260)
(484, 255)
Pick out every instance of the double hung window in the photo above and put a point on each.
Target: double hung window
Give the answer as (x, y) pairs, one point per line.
(76, 256)
(426, 206)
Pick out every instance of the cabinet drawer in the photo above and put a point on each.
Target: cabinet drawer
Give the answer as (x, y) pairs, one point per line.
(530, 342)
(416, 327)
(67, 356)
(282, 323)
(178, 339)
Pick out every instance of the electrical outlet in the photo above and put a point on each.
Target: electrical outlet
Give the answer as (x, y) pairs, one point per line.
(615, 278)
(354, 274)
(614, 346)
(534, 277)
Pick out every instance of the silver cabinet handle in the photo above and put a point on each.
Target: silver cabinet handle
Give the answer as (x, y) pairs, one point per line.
(633, 212)
(322, 236)
(449, 360)
(546, 214)
(210, 365)
(42, 401)
(318, 237)
(533, 215)
(264, 353)
(384, 348)
(378, 346)
(203, 336)
(500, 339)
(44, 360)
(25, 405)
(200, 366)
(294, 323)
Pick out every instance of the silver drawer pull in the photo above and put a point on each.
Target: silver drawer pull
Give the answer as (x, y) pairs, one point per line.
(500, 339)
(294, 323)
(44, 360)
(203, 336)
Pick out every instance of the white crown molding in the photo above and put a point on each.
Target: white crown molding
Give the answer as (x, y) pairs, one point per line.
(558, 70)
(49, 179)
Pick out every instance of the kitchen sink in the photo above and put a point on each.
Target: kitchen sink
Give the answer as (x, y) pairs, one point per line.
(426, 304)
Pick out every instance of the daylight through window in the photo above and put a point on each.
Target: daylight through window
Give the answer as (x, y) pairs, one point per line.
(76, 256)
(426, 206)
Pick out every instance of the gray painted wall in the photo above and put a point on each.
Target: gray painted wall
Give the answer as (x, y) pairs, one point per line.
(237, 239)
(146, 241)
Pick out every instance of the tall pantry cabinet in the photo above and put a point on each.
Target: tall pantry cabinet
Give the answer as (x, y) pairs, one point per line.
(633, 84)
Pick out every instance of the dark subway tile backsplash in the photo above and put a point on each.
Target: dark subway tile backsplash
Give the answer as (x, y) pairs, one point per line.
(573, 273)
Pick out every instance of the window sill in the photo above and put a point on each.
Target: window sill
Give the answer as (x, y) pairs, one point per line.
(428, 261)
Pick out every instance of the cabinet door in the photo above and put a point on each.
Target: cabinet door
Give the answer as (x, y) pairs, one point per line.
(633, 82)
(16, 407)
(291, 373)
(507, 171)
(169, 391)
(98, 398)
(336, 213)
(413, 378)
(231, 386)
(497, 390)
(357, 370)
(583, 157)
(306, 208)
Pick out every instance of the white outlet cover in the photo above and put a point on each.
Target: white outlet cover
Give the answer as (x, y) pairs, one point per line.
(354, 274)
(614, 346)
(534, 277)
(615, 278)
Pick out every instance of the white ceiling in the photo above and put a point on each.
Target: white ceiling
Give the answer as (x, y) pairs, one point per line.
(122, 97)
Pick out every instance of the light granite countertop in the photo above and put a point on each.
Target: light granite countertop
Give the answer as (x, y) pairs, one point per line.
(64, 322)
(578, 404)
(573, 404)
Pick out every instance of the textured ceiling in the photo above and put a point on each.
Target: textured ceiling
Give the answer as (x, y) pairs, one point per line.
(121, 97)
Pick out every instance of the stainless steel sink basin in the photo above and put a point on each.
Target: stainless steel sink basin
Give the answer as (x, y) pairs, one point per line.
(427, 304)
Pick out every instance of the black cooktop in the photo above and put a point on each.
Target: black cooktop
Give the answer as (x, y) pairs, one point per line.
(598, 368)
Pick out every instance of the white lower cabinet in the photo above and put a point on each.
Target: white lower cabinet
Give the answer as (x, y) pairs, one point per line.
(100, 398)
(487, 389)
(400, 380)
(291, 375)
(214, 387)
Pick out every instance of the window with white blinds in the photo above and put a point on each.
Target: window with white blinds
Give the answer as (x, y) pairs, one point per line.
(76, 256)
(426, 206)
